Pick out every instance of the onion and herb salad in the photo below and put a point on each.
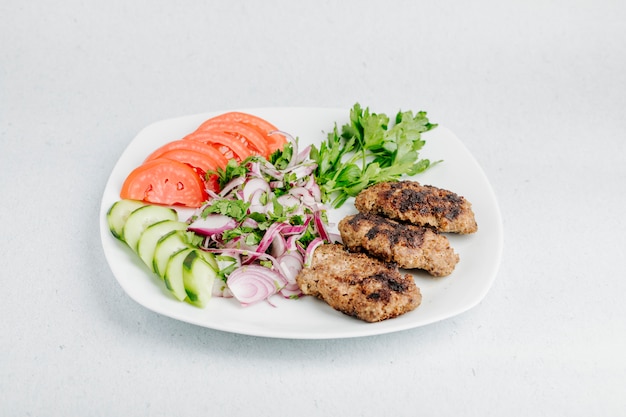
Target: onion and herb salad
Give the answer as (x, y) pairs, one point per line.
(260, 203)
(263, 225)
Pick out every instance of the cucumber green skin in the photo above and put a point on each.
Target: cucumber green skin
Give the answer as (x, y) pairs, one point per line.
(143, 217)
(158, 238)
(174, 274)
(209, 258)
(198, 278)
(165, 248)
(151, 236)
(118, 214)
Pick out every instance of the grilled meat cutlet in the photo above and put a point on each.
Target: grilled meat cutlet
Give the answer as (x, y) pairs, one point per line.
(422, 205)
(406, 245)
(358, 285)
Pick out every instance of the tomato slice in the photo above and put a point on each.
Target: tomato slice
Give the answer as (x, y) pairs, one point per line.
(248, 135)
(193, 158)
(270, 133)
(191, 145)
(228, 145)
(165, 181)
(202, 163)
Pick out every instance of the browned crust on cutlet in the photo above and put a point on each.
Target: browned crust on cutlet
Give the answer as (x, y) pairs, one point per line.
(406, 245)
(422, 205)
(357, 285)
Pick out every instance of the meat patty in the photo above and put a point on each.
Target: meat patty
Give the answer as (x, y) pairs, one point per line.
(422, 205)
(358, 285)
(406, 245)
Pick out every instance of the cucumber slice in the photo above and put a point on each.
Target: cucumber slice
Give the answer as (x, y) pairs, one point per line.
(143, 217)
(209, 258)
(166, 247)
(118, 214)
(198, 278)
(174, 273)
(150, 237)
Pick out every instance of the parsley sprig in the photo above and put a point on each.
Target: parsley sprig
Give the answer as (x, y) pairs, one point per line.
(369, 150)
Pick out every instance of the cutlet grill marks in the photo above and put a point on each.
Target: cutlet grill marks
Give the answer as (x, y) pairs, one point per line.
(428, 200)
(382, 292)
(411, 237)
(406, 245)
(389, 284)
(358, 285)
(423, 205)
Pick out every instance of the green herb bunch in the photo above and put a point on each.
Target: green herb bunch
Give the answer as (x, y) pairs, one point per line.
(369, 150)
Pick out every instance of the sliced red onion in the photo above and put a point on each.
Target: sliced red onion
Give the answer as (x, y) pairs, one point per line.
(277, 267)
(256, 197)
(306, 197)
(212, 224)
(258, 208)
(268, 237)
(308, 257)
(303, 170)
(248, 222)
(255, 169)
(232, 184)
(253, 283)
(319, 225)
(291, 291)
(270, 170)
(299, 210)
(212, 194)
(278, 246)
(292, 243)
(291, 262)
(294, 230)
(288, 201)
(255, 187)
(314, 189)
(303, 155)
(300, 192)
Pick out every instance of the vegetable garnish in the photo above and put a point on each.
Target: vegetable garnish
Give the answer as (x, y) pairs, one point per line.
(262, 222)
(275, 141)
(165, 181)
(232, 135)
(369, 150)
(260, 202)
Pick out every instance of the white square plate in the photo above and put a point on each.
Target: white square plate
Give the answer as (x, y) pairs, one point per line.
(309, 318)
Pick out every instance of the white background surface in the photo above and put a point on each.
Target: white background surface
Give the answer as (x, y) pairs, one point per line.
(535, 89)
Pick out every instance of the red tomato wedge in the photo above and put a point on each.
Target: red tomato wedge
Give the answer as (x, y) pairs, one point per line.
(247, 135)
(274, 141)
(193, 158)
(200, 162)
(175, 173)
(228, 145)
(165, 181)
(191, 145)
